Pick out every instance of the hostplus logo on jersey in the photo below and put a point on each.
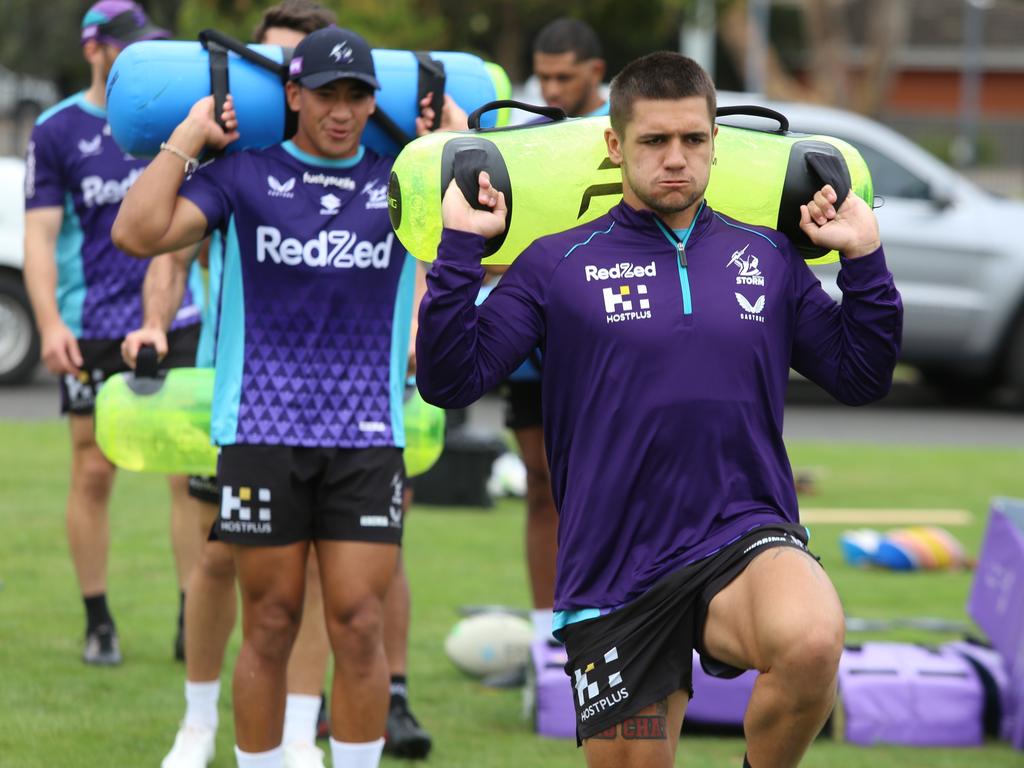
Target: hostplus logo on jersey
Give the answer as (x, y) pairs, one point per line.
(277, 188)
(623, 302)
(236, 510)
(620, 304)
(376, 196)
(589, 688)
(99, 191)
(749, 274)
(337, 248)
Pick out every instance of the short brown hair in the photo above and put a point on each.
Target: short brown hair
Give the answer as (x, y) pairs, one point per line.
(658, 76)
(300, 15)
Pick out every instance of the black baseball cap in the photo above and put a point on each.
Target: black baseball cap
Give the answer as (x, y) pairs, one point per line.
(332, 54)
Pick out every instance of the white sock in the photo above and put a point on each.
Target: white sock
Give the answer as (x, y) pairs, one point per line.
(364, 755)
(201, 703)
(542, 619)
(300, 715)
(271, 759)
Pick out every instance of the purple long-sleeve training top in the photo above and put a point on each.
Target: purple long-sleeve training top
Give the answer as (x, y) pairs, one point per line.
(666, 359)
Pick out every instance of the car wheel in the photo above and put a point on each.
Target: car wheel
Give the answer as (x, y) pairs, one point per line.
(954, 388)
(19, 340)
(1013, 367)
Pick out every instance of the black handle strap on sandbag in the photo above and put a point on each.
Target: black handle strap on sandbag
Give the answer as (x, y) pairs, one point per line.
(754, 110)
(833, 171)
(146, 379)
(217, 46)
(466, 168)
(552, 113)
(432, 79)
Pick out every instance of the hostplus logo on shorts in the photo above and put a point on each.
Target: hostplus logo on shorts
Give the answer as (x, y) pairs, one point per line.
(589, 688)
(236, 510)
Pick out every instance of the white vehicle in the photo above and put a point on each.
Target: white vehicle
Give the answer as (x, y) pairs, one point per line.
(19, 339)
(952, 248)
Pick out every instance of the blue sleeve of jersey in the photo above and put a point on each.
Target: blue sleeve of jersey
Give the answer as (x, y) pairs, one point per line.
(44, 171)
(209, 188)
(464, 350)
(848, 349)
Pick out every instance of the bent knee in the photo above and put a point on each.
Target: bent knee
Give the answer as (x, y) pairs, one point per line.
(811, 657)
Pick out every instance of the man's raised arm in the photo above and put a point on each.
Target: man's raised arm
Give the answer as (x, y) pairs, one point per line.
(153, 217)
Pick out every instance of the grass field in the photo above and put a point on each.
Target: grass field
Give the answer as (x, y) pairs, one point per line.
(54, 711)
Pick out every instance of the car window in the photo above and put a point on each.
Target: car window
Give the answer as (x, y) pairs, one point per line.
(891, 179)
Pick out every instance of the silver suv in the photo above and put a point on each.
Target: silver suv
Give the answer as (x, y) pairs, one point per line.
(19, 341)
(951, 246)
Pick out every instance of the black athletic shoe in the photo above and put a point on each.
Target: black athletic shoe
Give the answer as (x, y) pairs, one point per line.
(102, 647)
(405, 737)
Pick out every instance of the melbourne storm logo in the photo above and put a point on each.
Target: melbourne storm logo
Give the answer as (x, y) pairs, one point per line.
(376, 195)
(749, 274)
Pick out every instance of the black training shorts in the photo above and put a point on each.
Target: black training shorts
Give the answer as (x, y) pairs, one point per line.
(522, 404)
(101, 359)
(204, 488)
(637, 655)
(272, 495)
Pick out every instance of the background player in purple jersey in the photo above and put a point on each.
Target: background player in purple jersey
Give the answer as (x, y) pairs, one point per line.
(311, 358)
(86, 295)
(663, 404)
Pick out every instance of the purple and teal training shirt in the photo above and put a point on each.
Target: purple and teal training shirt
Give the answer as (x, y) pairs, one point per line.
(666, 361)
(315, 299)
(73, 163)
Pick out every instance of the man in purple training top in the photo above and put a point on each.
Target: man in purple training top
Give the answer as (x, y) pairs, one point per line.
(86, 295)
(663, 403)
(310, 367)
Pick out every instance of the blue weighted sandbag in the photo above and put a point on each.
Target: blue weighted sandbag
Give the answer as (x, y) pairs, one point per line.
(153, 84)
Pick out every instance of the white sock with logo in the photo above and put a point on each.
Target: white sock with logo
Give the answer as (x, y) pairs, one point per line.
(201, 703)
(300, 715)
(274, 758)
(364, 755)
(542, 619)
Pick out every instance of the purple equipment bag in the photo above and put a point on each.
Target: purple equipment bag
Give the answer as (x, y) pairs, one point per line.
(900, 693)
(997, 600)
(719, 701)
(548, 694)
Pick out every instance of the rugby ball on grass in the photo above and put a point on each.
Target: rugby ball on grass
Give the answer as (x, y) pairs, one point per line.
(489, 643)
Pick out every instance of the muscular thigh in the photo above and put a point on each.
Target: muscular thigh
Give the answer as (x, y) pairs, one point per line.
(781, 596)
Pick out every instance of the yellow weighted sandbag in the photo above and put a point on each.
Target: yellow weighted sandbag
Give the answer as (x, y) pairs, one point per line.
(557, 175)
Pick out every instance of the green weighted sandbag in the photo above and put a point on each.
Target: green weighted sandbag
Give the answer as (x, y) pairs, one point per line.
(158, 424)
(424, 433)
(162, 424)
(557, 175)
